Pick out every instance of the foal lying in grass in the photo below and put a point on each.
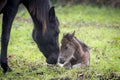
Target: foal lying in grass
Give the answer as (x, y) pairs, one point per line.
(73, 53)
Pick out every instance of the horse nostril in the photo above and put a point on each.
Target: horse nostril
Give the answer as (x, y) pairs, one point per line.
(62, 60)
(51, 61)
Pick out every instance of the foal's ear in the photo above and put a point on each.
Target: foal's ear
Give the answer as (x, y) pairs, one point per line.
(52, 14)
(72, 35)
(64, 34)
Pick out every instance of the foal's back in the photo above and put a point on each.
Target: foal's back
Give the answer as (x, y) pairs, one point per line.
(82, 55)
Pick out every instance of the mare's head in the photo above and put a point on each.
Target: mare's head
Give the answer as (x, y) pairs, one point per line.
(46, 30)
(67, 49)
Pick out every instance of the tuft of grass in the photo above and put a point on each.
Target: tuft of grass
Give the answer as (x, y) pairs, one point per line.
(99, 28)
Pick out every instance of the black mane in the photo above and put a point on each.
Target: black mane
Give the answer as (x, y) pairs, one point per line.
(40, 8)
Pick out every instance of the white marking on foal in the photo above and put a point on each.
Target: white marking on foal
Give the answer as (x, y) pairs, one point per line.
(67, 61)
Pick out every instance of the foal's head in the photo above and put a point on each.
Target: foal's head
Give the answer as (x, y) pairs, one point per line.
(68, 48)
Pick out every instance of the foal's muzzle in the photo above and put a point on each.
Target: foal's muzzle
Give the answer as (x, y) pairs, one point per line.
(62, 60)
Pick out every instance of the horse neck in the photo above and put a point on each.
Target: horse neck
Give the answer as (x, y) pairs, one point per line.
(38, 10)
(78, 47)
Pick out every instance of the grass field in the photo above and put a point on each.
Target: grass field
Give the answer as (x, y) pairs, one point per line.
(99, 28)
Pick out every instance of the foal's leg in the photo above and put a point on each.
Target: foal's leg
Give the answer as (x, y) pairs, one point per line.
(79, 65)
(8, 17)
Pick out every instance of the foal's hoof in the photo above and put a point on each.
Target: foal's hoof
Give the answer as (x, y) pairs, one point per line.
(5, 68)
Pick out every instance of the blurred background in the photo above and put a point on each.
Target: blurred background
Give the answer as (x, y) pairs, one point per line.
(100, 3)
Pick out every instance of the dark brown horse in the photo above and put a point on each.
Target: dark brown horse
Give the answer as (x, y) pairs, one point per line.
(45, 32)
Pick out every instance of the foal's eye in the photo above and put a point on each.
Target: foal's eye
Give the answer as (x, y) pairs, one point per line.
(66, 47)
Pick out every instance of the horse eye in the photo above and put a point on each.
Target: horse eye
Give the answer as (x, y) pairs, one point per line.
(56, 33)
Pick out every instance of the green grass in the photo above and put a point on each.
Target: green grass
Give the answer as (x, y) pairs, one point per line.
(99, 28)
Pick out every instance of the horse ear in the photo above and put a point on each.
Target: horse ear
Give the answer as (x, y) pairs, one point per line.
(52, 14)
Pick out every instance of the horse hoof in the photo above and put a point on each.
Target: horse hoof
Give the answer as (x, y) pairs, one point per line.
(5, 68)
(9, 70)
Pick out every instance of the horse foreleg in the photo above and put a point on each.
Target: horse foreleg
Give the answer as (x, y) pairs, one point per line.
(8, 17)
